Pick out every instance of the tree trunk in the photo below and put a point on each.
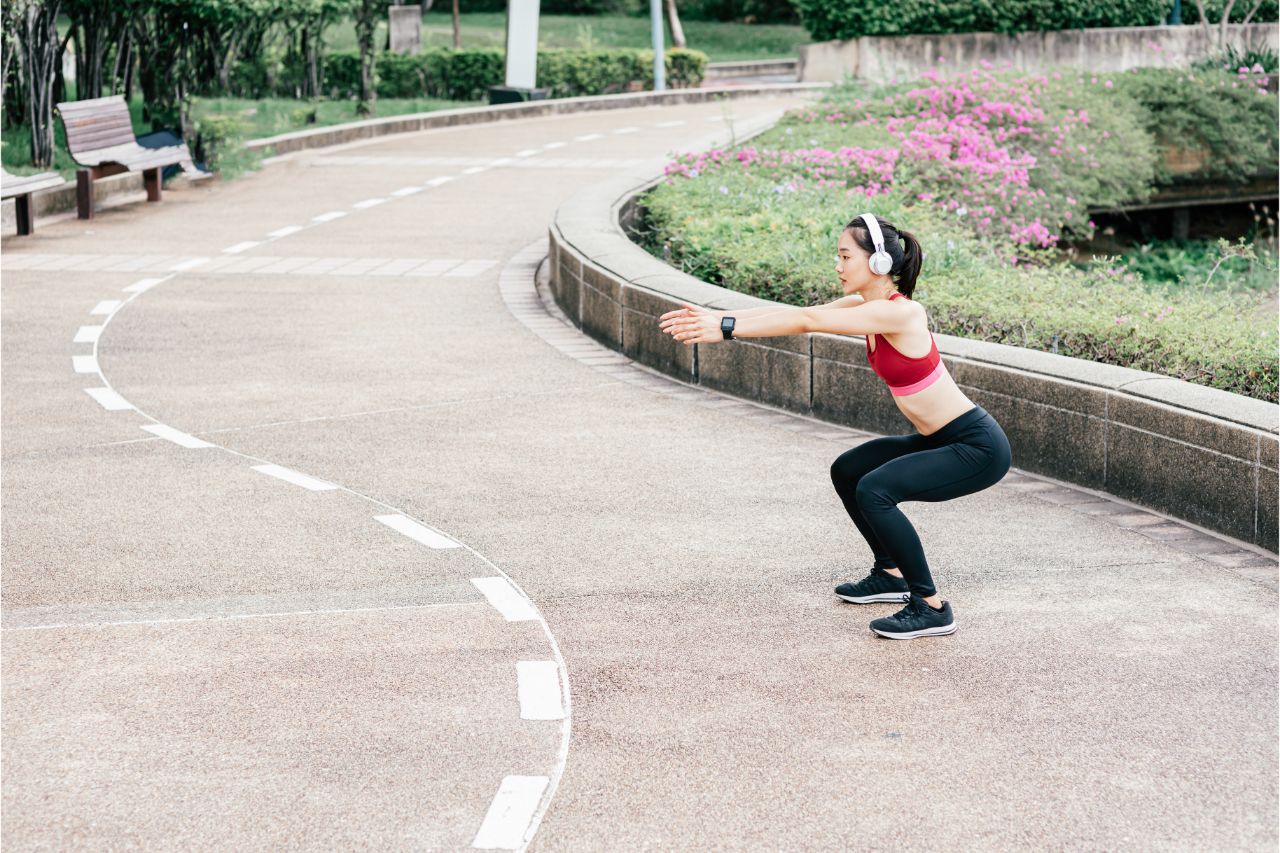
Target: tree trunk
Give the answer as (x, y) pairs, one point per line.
(40, 55)
(677, 32)
(366, 24)
(1222, 25)
(457, 28)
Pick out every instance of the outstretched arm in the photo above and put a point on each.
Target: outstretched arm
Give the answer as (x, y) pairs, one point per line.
(879, 316)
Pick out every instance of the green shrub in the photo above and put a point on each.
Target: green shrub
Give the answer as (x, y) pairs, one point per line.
(1223, 114)
(466, 75)
(839, 19)
(738, 231)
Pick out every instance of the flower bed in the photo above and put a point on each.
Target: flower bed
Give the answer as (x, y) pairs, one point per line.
(992, 172)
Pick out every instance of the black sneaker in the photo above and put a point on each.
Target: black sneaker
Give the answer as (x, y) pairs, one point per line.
(877, 586)
(917, 619)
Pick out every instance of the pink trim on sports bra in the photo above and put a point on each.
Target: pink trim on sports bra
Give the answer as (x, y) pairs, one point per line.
(904, 390)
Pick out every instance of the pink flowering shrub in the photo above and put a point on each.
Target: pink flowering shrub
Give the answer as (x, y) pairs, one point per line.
(1011, 155)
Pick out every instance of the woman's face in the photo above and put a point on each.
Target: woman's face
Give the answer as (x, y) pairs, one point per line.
(851, 264)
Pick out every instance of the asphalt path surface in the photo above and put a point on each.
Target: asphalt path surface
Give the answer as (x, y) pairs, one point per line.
(521, 601)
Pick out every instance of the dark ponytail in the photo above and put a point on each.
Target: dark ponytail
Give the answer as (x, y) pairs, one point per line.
(902, 246)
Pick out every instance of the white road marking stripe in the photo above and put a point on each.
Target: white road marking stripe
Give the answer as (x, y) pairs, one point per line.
(109, 400)
(510, 812)
(23, 262)
(250, 263)
(398, 267)
(669, 124)
(504, 598)
(321, 266)
(144, 284)
(358, 266)
(87, 334)
(240, 247)
(106, 306)
(84, 364)
(588, 137)
(404, 191)
(470, 268)
(285, 231)
(538, 685)
(443, 179)
(368, 202)
(189, 264)
(176, 436)
(417, 532)
(528, 152)
(474, 170)
(329, 217)
(285, 265)
(431, 268)
(555, 145)
(502, 161)
(626, 130)
(294, 477)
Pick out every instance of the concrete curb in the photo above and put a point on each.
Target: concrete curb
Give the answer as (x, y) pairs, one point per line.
(1195, 453)
(323, 137)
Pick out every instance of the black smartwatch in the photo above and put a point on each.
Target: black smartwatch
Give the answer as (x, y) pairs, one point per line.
(726, 327)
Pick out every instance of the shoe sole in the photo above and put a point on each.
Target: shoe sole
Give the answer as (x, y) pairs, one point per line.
(940, 631)
(874, 599)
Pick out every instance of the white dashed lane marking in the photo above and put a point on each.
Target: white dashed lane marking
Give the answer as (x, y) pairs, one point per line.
(176, 436)
(626, 130)
(291, 476)
(87, 334)
(509, 814)
(443, 179)
(285, 231)
(143, 285)
(242, 247)
(417, 532)
(404, 191)
(84, 364)
(369, 202)
(186, 265)
(538, 686)
(513, 606)
(329, 217)
(109, 400)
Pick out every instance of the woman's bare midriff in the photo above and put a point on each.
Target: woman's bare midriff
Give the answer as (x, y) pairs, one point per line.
(934, 407)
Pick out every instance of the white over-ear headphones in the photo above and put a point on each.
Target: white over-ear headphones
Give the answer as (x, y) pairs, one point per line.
(880, 260)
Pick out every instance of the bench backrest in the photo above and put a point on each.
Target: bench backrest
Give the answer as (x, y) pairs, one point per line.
(96, 123)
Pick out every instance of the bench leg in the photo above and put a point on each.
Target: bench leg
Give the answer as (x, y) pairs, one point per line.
(151, 177)
(84, 194)
(22, 207)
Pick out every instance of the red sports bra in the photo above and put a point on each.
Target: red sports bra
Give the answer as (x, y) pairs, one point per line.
(904, 375)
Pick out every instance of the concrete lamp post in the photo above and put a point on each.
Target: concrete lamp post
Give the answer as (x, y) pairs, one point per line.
(522, 56)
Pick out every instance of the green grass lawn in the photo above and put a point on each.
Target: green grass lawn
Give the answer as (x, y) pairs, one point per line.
(261, 118)
(721, 42)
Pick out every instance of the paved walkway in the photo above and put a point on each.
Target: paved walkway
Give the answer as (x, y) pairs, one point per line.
(321, 533)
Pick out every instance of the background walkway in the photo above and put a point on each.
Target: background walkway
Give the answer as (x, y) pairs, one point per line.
(202, 650)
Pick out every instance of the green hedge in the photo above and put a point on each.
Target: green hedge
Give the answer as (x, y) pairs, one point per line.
(467, 74)
(840, 19)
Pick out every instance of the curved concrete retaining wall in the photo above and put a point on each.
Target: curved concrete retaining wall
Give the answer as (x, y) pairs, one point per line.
(1196, 453)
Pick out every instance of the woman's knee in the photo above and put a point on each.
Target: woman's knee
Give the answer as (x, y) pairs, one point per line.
(872, 493)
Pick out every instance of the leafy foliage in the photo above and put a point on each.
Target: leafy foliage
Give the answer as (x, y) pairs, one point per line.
(765, 218)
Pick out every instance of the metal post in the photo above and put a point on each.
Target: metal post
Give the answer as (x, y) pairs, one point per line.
(659, 65)
(1175, 17)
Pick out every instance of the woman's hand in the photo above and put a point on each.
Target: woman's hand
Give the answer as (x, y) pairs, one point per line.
(692, 324)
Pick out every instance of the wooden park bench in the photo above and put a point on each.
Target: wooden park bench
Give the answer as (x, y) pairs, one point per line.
(20, 187)
(100, 138)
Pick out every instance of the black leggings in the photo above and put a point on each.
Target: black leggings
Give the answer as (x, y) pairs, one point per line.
(967, 455)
